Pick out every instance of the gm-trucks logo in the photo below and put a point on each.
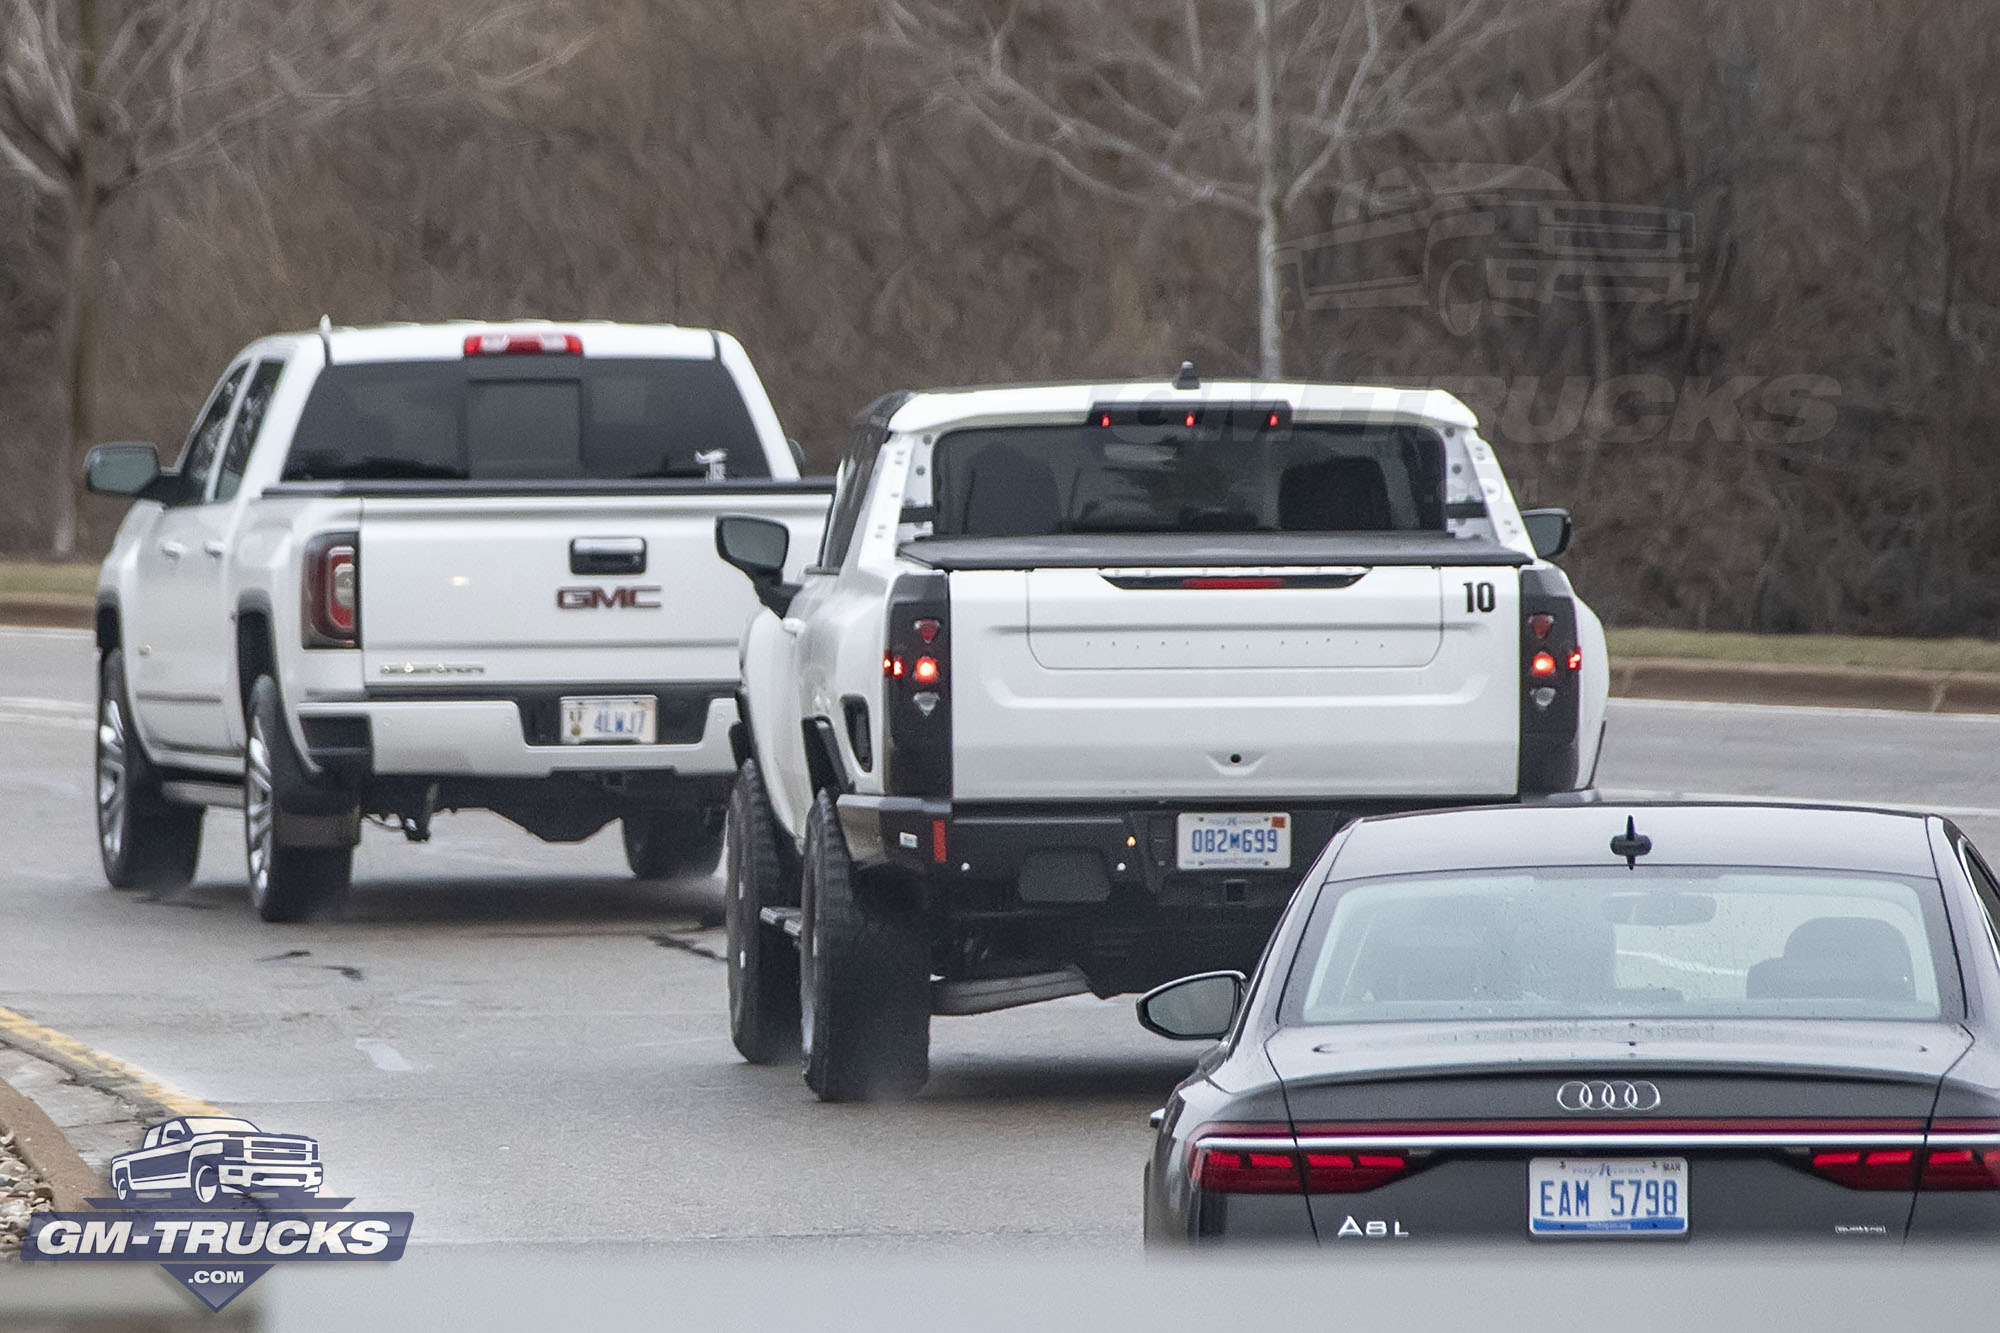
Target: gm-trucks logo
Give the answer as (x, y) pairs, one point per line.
(217, 1202)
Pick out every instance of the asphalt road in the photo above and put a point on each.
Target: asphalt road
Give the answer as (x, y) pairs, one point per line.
(520, 1044)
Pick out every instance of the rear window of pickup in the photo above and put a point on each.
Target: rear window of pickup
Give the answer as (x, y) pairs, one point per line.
(1031, 481)
(525, 419)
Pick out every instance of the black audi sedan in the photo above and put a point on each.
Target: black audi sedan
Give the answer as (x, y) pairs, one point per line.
(1646, 1023)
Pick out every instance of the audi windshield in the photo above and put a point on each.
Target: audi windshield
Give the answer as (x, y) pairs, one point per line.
(1715, 942)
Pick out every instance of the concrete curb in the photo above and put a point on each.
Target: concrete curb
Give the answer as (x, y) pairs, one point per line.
(47, 610)
(47, 1149)
(1807, 686)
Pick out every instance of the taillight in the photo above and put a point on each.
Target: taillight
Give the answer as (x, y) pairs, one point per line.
(523, 344)
(331, 597)
(916, 686)
(1961, 1169)
(1869, 1169)
(1240, 1168)
(1541, 624)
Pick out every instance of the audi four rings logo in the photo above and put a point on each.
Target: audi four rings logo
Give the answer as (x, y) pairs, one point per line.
(1616, 1095)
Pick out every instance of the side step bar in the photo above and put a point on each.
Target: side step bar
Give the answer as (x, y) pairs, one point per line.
(983, 997)
(965, 997)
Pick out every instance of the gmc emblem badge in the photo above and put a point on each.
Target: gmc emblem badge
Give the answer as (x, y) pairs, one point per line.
(626, 599)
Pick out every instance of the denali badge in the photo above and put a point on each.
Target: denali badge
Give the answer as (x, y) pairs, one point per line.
(1615, 1095)
(627, 598)
(432, 669)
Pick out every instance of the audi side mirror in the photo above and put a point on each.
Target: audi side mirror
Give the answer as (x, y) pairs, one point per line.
(758, 546)
(1197, 1008)
(121, 469)
(1549, 530)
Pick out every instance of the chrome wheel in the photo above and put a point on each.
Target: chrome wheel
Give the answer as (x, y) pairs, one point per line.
(259, 826)
(113, 787)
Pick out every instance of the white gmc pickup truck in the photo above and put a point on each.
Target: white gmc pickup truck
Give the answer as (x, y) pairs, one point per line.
(1084, 676)
(420, 568)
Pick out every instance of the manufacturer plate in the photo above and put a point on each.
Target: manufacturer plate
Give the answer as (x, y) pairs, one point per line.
(1622, 1196)
(628, 721)
(1235, 842)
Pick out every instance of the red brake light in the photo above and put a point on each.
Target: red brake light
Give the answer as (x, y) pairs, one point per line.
(1234, 581)
(892, 667)
(1877, 1169)
(332, 592)
(1104, 420)
(1542, 664)
(1227, 1171)
(1351, 1173)
(1961, 1169)
(927, 629)
(1576, 659)
(1189, 422)
(1541, 624)
(1271, 422)
(926, 671)
(523, 344)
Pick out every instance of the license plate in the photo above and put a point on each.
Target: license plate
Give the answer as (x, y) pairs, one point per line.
(1624, 1196)
(1235, 842)
(590, 721)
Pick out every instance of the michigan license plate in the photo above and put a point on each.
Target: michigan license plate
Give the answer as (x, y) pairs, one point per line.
(1626, 1196)
(588, 721)
(1235, 842)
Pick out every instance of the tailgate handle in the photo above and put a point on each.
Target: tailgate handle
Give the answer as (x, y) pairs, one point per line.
(607, 555)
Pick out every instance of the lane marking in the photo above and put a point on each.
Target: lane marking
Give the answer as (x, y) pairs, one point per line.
(97, 1069)
(67, 707)
(384, 1056)
(1800, 710)
(1615, 794)
(46, 632)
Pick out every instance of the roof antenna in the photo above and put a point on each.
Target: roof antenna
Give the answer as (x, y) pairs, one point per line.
(1631, 844)
(326, 337)
(1187, 378)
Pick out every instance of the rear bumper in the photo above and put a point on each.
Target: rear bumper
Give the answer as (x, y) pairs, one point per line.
(273, 1175)
(488, 738)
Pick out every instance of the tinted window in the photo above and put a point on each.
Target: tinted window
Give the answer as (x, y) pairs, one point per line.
(205, 440)
(1650, 943)
(249, 420)
(1027, 481)
(857, 474)
(526, 418)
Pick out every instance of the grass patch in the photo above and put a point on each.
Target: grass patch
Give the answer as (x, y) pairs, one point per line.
(1809, 649)
(41, 576)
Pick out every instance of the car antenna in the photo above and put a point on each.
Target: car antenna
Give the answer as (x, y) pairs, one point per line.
(1631, 844)
(1187, 379)
(326, 337)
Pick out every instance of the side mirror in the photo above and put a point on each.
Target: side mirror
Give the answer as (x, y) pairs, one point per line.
(121, 469)
(1197, 1008)
(758, 547)
(1549, 530)
(798, 453)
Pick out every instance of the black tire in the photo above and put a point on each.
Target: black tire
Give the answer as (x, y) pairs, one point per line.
(144, 840)
(864, 978)
(287, 882)
(763, 962)
(661, 844)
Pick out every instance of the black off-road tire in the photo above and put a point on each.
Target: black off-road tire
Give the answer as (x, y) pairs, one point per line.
(144, 840)
(287, 882)
(661, 844)
(763, 962)
(864, 977)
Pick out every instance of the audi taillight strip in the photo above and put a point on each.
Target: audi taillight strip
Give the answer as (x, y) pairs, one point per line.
(1649, 1133)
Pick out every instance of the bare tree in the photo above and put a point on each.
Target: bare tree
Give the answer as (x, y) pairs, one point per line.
(98, 97)
(1242, 106)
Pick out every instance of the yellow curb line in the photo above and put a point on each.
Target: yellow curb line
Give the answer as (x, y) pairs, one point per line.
(93, 1067)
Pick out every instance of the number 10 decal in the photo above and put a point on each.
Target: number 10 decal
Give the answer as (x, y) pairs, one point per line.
(1480, 597)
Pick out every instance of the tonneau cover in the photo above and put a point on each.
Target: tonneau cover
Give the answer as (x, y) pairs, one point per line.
(1195, 550)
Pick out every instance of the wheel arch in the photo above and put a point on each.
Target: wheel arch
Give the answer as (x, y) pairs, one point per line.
(256, 649)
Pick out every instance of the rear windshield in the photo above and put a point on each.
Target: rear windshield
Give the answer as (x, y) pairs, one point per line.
(1033, 481)
(526, 419)
(1650, 943)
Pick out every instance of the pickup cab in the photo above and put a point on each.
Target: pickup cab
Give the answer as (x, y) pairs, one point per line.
(413, 569)
(203, 1157)
(1082, 677)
